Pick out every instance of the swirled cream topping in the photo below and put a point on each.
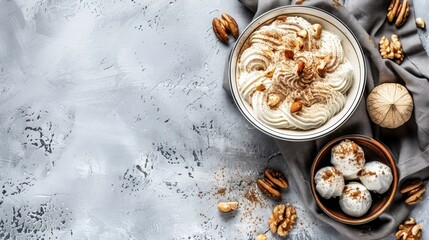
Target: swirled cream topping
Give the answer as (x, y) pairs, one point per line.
(294, 74)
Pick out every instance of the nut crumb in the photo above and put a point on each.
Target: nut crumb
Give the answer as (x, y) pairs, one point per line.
(420, 23)
(295, 107)
(317, 28)
(260, 87)
(300, 68)
(227, 207)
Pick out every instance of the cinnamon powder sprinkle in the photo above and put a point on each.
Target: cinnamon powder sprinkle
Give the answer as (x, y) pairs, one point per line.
(349, 149)
(221, 191)
(251, 196)
(366, 173)
(327, 174)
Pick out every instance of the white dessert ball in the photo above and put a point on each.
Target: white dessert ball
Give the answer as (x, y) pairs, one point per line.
(376, 176)
(355, 200)
(329, 182)
(349, 158)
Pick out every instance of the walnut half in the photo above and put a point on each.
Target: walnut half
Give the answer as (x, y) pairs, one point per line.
(397, 10)
(282, 219)
(391, 49)
(409, 230)
(415, 189)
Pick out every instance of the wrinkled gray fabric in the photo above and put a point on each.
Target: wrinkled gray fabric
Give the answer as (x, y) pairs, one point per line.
(409, 143)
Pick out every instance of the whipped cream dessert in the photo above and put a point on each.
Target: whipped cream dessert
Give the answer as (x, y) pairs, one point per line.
(294, 74)
(349, 158)
(329, 182)
(376, 176)
(355, 199)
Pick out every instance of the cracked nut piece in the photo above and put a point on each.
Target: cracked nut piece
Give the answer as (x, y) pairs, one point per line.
(320, 69)
(282, 219)
(227, 207)
(289, 54)
(261, 237)
(273, 100)
(220, 30)
(317, 28)
(385, 50)
(391, 49)
(300, 68)
(295, 107)
(268, 188)
(415, 189)
(270, 73)
(420, 23)
(409, 230)
(299, 44)
(230, 24)
(303, 33)
(404, 11)
(260, 87)
(392, 10)
(410, 185)
(276, 178)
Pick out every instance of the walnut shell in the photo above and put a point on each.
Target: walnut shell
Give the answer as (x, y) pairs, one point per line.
(389, 105)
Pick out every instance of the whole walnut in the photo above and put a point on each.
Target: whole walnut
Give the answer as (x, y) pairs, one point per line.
(282, 219)
(409, 230)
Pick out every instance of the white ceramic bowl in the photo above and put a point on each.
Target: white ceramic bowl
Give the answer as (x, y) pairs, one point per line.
(352, 51)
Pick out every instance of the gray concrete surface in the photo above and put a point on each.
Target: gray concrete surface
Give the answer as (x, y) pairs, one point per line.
(114, 125)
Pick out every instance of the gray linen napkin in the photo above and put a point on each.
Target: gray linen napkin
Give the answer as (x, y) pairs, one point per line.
(409, 143)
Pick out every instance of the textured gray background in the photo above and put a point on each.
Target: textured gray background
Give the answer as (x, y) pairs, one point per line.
(114, 125)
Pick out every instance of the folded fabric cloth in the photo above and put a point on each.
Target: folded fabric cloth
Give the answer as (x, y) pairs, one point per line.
(409, 143)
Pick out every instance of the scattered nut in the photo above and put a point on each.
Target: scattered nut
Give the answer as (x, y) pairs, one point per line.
(261, 237)
(223, 25)
(231, 24)
(320, 69)
(404, 11)
(300, 68)
(299, 2)
(410, 185)
(416, 197)
(272, 183)
(415, 189)
(299, 44)
(277, 178)
(295, 107)
(219, 30)
(409, 230)
(270, 73)
(392, 10)
(282, 219)
(391, 50)
(385, 48)
(420, 22)
(303, 33)
(268, 189)
(317, 30)
(398, 11)
(227, 207)
(273, 100)
(289, 54)
(260, 87)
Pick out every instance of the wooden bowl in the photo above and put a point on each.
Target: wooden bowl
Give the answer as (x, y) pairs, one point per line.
(374, 151)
